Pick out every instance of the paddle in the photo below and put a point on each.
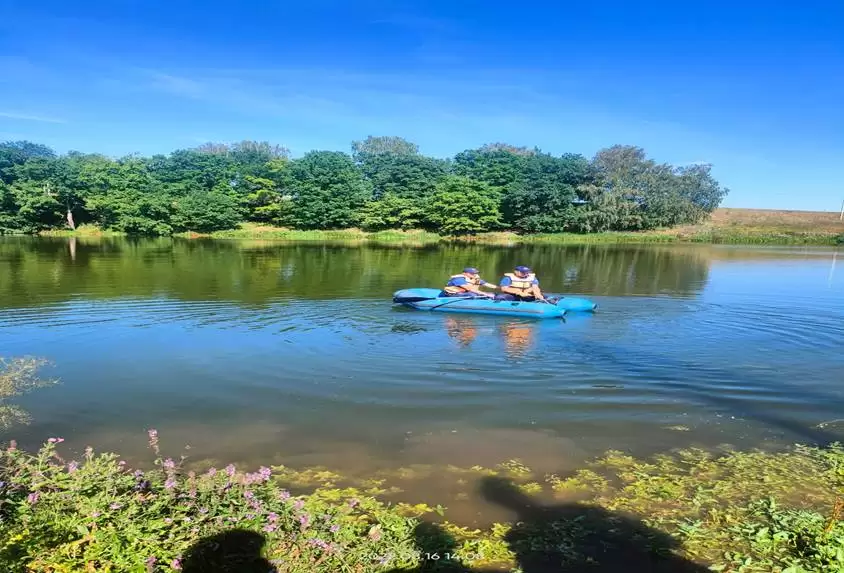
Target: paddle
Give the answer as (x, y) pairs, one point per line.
(456, 299)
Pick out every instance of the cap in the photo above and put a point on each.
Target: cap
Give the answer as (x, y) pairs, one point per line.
(471, 270)
(523, 269)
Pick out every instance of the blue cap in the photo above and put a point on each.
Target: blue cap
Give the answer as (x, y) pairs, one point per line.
(471, 270)
(523, 269)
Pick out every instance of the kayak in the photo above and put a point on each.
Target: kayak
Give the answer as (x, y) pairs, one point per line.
(430, 299)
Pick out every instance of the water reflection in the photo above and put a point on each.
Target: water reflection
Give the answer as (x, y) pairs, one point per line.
(517, 336)
(53, 269)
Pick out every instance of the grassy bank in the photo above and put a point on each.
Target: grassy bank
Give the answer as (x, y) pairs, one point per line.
(739, 511)
(726, 226)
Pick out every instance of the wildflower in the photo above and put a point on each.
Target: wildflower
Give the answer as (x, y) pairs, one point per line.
(153, 440)
(272, 517)
(265, 473)
(121, 464)
(72, 467)
(115, 505)
(284, 495)
(138, 473)
(334, 528)
(176, 564)
(248, 494)
(33, 498)
(270, 527)
(353, 502)
(230, 470)
(187, 520)
(2, 484)
(170, 483)
(304, 520)
(249, 516)
(168, 520)
(55, 440)
(192, 493)
(169, 464)
(96, 514)
(150, 562)
(203, 511)
(212, 472)
(318, 543)
(299, 504)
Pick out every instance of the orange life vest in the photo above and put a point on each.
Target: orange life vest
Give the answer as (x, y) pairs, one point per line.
(522, 284)
(453, 289)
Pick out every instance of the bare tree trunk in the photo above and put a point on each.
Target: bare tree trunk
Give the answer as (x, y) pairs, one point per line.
(70, 222)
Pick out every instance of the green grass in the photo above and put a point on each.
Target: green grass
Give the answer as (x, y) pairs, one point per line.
(82, 231)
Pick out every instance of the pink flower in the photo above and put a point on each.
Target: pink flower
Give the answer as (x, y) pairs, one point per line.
(170, 483)
(72, 467)
(230, 470)
(176, 564)
(169, 464)
(212, 472)
(33, 498)
(55, 440)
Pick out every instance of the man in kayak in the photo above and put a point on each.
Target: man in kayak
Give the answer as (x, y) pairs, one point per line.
(468, 283)
(521, 285)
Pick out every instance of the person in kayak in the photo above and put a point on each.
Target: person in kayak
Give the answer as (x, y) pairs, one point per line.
(468, 283)
(521, 285)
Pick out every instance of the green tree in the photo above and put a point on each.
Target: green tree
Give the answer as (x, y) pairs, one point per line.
(392, 212)
(327, 190)
(14, 153)
(462, 206)
(381, 145)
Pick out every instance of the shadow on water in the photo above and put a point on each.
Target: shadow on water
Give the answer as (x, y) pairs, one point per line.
(232, 551)
(564, 538)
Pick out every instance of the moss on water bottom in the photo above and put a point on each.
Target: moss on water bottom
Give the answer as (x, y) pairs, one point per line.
(684, 511)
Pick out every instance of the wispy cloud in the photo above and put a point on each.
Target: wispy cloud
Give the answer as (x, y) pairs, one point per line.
(30, 117)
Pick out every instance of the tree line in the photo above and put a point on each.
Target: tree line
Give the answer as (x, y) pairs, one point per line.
(384, 183)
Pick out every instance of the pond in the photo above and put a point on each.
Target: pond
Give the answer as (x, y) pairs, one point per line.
(258, 353)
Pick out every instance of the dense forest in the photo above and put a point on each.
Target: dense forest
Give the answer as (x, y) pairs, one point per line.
(385, 183)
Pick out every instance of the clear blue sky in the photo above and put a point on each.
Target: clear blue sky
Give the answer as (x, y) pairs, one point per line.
(755, 89)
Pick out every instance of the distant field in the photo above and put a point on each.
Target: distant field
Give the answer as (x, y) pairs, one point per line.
(817, 221)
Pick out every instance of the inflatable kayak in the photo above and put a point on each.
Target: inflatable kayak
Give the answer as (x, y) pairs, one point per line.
(430, 299)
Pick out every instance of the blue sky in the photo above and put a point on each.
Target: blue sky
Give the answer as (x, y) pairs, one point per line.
(754, 89)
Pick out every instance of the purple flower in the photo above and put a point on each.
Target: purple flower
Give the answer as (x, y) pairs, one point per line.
(33, 498)
(230, 470)
(318, 543)
(170, 483)
(150, 561)
(265, 473)
(203, 511)
(176, 564)
(334, 528)
(138, 473)
(56, 440)
(2, 484)
(96, 514)
(269, 528)
(298, 504)
(284, 495)
(72, 467)
(304, 520)
(249, 516)
(212, 472)
(248, 494)
(169, 464)
(272, 517)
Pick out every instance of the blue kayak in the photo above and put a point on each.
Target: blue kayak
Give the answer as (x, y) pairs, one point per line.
(430, 299)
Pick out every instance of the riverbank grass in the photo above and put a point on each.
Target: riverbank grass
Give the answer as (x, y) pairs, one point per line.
(726, 226)
(737, 511)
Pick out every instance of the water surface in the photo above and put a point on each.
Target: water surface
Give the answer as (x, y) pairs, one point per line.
(264, 352)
